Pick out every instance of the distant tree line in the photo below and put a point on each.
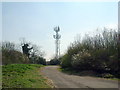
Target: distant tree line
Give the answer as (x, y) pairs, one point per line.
(98, 53)
(11, 55)
(54, 61)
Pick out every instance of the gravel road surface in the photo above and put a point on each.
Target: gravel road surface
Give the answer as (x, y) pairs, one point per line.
(62, 80)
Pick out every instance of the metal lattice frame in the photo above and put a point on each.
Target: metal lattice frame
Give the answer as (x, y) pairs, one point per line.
(57, 41)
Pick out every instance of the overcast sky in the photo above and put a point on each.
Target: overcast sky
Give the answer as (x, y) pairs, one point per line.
(35, 21)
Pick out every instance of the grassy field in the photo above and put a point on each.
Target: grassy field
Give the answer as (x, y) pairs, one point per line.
(23, 76)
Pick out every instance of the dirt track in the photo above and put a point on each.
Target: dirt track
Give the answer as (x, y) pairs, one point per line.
(62, 80)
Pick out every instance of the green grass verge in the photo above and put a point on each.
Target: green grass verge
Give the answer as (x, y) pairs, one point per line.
(88, 73)
(23, 76)
(0, 77)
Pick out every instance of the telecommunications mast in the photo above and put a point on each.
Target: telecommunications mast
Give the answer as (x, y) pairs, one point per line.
(57, 42)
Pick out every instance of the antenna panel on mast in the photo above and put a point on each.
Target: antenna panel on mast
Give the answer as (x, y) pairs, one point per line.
(57, 37)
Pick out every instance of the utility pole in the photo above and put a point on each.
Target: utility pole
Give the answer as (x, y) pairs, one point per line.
(57, 41)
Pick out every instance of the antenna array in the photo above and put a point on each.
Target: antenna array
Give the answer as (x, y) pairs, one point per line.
(57, 41)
